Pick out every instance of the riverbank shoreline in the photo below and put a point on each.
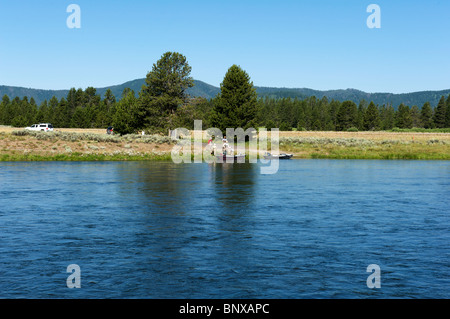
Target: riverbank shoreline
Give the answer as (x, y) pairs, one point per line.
(96, 145)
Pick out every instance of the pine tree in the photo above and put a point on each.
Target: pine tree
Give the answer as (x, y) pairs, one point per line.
(3, 109)
(387, 117)
(72, 100)
(42, 114)
(439, 113)
(300, 116)
(403, 116)
(104, 118)
(109, 99)
(347, 116)
(362, 107)
(426, 116)
(52, 108)
(334, 107)
(236, 104)
(447, 112)
(315, 116)
(125, 119)
(307, 111)
(61, 116)
(164, 90)
(371, 117)
(79, 118)
(415, 116)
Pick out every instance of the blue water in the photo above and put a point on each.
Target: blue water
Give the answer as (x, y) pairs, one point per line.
(164, 230)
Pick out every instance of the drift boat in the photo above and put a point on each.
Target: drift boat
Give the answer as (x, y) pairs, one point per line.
(277, 156)
(230, 158)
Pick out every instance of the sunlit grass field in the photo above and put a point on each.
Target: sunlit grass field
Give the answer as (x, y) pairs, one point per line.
(94, 144)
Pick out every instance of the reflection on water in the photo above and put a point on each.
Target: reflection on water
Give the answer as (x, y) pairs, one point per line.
(233, 185)
(173, 188)
(165, 230)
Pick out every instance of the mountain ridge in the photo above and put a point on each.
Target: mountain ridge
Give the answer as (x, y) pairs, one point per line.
(202, 89)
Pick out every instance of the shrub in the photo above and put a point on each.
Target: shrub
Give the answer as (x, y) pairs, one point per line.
(75, 137)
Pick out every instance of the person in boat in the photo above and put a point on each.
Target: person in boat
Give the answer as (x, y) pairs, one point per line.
(224, 145)
(226, 148)
(211, 145)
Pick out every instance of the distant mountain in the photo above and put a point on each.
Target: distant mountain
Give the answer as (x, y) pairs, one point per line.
(38, 95)
(202, 89)
(415, 98)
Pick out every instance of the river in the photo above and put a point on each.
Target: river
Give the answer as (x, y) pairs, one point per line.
(165, 230)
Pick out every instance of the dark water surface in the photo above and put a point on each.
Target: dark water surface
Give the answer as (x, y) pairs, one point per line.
(162, 230)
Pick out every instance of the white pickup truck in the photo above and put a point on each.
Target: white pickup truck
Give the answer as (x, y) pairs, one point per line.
(46, 127)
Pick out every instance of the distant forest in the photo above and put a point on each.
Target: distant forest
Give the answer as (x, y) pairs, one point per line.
(86, 109)
(163, 103)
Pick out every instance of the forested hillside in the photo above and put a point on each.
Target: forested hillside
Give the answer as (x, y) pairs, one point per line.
(202, 89)
(169, 98)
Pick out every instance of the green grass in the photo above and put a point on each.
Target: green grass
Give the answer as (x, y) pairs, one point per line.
(301, 147)
(77, 157)
(416, 151)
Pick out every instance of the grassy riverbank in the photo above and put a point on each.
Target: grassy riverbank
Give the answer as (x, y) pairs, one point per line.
(366, 149)
(367, 145)
(80, 157)
(95, 145)
(20, 145)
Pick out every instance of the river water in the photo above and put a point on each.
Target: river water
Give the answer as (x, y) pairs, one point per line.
(165, 230)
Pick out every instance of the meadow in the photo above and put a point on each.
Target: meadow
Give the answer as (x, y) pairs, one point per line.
(367, 145)
(95, 144)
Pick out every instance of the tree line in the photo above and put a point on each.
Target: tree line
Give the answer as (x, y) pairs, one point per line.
(324, 115)
(162, 104)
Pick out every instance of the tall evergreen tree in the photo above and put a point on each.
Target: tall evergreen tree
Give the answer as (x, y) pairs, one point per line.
(334, 108)
(236, 104)
(415, 116)
(62, 116)
(72, 99)
(3, 109)
(164, 89)
(78, 119)
(301, 124)
(439, 113)
(371, 117)
(42, 114)
(308, 106)
(347, 116)
(125, 119)
(52, 109)
(362, 107)
(447, 112)
(403, 117)
(109, 98)
(105, 110)
(387, 117)
(426, 116)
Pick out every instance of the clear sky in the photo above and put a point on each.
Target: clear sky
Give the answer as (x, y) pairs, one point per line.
(318, 44)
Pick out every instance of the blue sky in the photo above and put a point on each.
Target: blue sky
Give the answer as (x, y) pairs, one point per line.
(321, 44)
